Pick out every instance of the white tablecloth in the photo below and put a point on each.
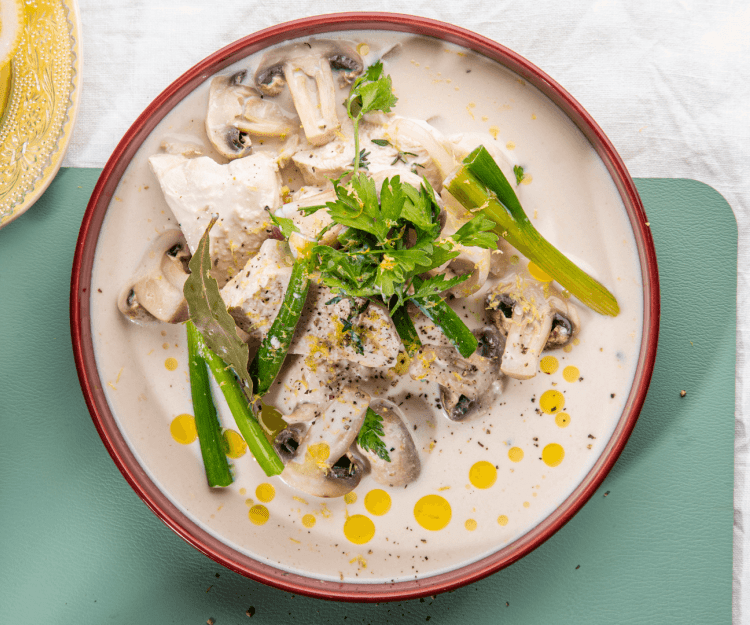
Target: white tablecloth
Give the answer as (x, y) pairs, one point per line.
(668, 81)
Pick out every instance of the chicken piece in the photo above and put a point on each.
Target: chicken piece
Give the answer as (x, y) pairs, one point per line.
(239, 192)
(319, 165)
(254, 296)
(320, 335)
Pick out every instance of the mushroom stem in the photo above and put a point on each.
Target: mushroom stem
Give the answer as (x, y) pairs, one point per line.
(526, 338)
(316, 107)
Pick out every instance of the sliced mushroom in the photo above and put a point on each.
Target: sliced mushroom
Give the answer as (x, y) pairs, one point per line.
(321, 460)
(404, 465)
(466, 385)
(306, 68)
(534, 317)
(155, 293)
(236, 111)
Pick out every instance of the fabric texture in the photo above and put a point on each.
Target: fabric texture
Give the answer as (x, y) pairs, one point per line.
(668, 82)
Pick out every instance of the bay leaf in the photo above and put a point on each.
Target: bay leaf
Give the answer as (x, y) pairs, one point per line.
(208, 312)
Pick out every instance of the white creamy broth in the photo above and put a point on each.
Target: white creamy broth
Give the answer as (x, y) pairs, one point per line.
(572, 201)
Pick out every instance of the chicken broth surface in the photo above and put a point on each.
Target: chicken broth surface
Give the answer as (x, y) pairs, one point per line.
(484, 481)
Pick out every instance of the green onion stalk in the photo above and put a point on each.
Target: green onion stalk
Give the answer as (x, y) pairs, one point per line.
(443, 316)
(273, 349)
(207, 424)
(240, 408)
(480, 185)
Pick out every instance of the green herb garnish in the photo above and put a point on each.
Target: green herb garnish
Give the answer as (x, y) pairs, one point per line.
(369, 437)
(370, 92)
(286, 225)
(518, 171)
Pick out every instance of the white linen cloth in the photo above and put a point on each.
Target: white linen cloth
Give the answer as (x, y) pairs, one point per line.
(668, 81)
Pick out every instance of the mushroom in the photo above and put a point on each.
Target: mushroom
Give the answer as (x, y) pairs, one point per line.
(236, 111)
(466, 385)
(322, 460)
(404, 465)
(156, 290)
(534, 317)
(306, 68)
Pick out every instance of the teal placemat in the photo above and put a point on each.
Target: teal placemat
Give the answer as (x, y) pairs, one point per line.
(654, 545)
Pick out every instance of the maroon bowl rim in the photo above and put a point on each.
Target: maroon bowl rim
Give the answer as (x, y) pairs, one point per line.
(91, 384)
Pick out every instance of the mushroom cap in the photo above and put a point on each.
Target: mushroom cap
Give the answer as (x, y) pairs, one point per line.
(226, 103)
(405, 465)
(236, 111)
(155, 292)
(269, 76)
(343, 476)
(458, 405)
(319, 458)
(525, 310)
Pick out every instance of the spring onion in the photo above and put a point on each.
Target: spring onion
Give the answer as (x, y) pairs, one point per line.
(206, 421)
(480, 185)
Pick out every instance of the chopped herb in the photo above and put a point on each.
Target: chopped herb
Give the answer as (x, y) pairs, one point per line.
(518, 171)
(383, 143)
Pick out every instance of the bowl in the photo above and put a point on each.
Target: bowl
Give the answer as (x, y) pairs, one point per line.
(135, 386)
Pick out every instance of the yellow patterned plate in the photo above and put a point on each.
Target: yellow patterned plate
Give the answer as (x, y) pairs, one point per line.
(39, 92)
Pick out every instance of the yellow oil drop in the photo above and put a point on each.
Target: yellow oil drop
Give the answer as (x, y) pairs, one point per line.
(170, 364)
(526, 504)
(308, 520)
(470, 525)
(553, 454)
(515, 454)
(483, 474)
(258, 514)
(527, 178)
(377, 502)
(183, 429)
(271, 421)
(494, 130)
(234, 445)
(243, 491)
(538, 273)
(571, 374)
(249, 502)
(350, 497)
(510, 145)
(359, 529)
(363, 49)
(432, 512)
(562, 419)
(265, 492)
(502, 520)
(568, 348)
(319, 452)
(548, 365)
(552, 401)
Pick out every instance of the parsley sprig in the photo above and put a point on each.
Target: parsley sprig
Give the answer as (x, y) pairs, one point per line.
(392, 240)
(371, 433)
(370, 92)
